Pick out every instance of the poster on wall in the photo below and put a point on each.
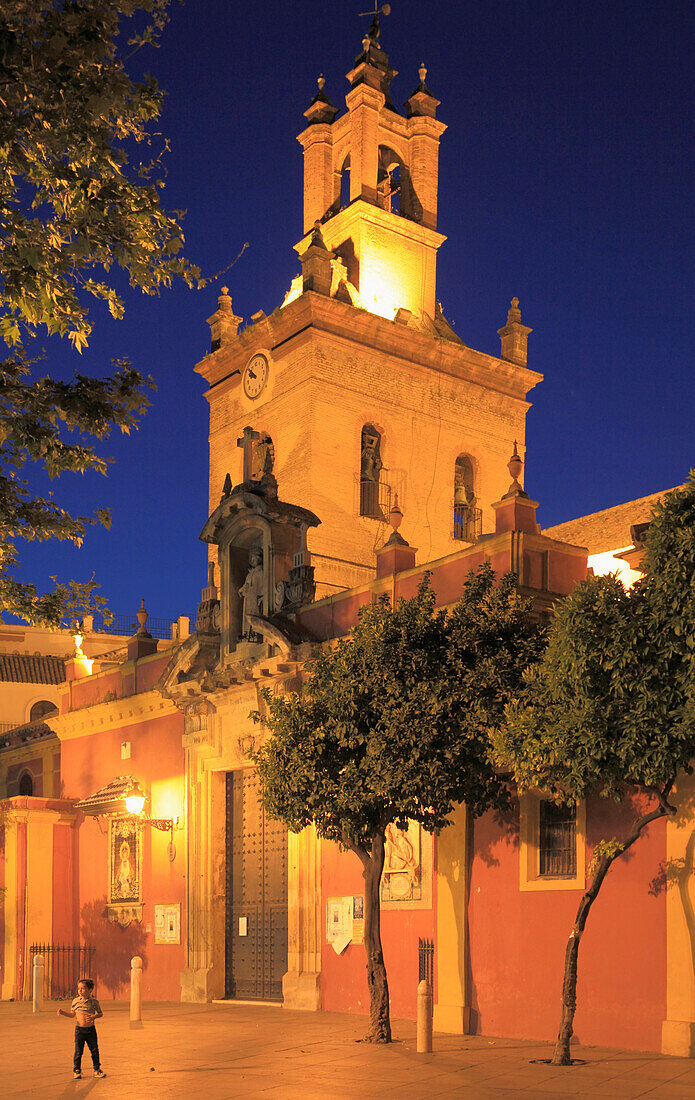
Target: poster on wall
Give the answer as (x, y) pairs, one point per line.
(339, 923)
(125, 871)
(344, 921)
(358, 918)
(167, 924)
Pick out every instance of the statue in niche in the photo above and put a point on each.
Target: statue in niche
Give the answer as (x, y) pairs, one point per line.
(251, 593)
(371, 459)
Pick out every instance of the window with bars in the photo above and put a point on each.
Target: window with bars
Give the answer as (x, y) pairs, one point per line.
(558, 839)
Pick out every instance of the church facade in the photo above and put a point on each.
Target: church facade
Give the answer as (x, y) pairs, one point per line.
(352, 407)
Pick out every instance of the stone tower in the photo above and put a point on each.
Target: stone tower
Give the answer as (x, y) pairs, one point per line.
(356, 386)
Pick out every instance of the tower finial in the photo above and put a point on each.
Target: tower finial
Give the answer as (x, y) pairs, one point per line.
(372, 35)
(515, 466)
(395, 515)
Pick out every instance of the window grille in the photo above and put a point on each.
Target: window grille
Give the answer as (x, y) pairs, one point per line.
(468, 522)
(558, 839)
(425, 952)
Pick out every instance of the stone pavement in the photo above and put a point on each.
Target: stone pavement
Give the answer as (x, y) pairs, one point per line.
(264, 1053)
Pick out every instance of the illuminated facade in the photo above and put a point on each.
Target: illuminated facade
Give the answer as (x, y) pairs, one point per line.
(353, 391)
(360, 358)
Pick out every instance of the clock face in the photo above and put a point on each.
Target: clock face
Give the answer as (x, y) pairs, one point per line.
(255, 376)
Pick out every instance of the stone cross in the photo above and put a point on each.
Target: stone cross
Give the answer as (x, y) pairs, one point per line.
(248, 438)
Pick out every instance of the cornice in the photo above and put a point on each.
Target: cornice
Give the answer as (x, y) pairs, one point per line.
(16, 811)
(358, 326)
(114, 714)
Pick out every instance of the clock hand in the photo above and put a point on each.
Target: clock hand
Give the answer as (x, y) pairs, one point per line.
(251, 374)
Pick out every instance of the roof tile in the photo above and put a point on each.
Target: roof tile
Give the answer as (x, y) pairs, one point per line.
(23, 668)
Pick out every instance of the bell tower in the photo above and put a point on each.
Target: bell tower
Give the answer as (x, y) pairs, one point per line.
(356, 389)
(371, 180)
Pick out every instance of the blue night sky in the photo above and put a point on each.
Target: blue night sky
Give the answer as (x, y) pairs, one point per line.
(567, 178)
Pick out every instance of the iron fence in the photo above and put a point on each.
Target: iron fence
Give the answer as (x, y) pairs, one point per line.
(63, 966)
(128, 625)
(425, 958)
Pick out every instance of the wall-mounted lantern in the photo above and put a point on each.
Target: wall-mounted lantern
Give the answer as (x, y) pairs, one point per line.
(125, 795)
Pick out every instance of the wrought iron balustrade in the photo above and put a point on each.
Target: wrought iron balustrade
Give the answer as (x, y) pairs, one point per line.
(127, 625)
(375, 498)
(468, 522)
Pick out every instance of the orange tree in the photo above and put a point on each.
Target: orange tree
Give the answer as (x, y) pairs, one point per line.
(610, 709)
(392, 727)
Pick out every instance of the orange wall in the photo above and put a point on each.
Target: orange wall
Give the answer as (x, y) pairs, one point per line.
(344, 977)
(518, 940)
(88, 763)
(65, 886)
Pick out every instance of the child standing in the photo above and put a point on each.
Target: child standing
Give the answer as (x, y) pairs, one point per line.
(85, 1009)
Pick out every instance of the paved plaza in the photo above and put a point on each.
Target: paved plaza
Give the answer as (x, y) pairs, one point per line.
(260, 1052)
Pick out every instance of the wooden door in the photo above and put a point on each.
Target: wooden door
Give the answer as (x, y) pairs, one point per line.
(256, 903)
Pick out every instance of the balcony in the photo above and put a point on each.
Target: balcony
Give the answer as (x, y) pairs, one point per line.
(468, 522)
(375, 498)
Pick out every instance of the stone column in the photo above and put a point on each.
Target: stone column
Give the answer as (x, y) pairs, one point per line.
(203, 977)
(364, 104)
(317, 141)
(301, 985)
(424, 135)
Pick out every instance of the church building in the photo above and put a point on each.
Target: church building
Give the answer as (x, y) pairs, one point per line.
(355, 442)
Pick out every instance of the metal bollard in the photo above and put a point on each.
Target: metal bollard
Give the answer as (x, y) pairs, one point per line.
(38, 983)
(424, 1017)
(136, 991)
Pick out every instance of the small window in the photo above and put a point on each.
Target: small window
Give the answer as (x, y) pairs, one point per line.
(39, 709)
(552, 850)
(557, 849)
(26, 786)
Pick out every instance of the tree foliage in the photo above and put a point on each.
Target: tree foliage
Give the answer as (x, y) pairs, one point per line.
(393, 726)
(80, 182)
(44, 422)
(610, 710)
(80, 165)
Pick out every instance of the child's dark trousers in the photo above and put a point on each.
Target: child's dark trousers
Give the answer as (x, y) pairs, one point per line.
(86, 1035)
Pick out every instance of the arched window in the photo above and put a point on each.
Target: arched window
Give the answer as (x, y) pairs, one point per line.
(389, 181)
(39, 709)
(395, 191)
(371, 468)
(467, 515)
(26, 786)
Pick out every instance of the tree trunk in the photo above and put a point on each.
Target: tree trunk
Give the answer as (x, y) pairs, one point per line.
(379, 1014)
(561, 1053)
